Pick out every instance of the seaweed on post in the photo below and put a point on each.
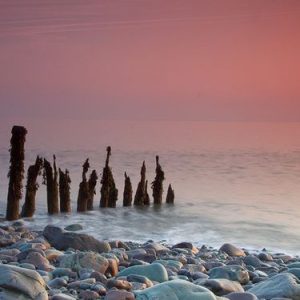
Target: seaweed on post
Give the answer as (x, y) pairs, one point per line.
(50, 179)
(127, 195)
(92, 189)
(33, 172)
(16, 172)
(170, 195)
(83, 194)
(140, 195)
(157, 184)
(109, 192)
(64, 191)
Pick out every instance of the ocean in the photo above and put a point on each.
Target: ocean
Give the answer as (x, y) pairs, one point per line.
(234, 182)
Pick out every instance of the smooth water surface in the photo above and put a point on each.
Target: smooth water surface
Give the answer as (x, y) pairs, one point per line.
(234, 182)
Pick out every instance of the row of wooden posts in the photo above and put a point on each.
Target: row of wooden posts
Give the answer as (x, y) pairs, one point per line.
(58, 184)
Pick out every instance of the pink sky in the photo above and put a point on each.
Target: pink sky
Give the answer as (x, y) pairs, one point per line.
(150, 59)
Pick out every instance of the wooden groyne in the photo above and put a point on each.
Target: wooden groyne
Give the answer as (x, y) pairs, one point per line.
(58, 184)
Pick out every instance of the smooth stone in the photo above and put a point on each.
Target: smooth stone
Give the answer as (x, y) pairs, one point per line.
(169, 263)
(53, 254)
(294, 265)
(184, 245)
(113, 267)
(241, 296)
(57, 283)
(253, 261)
(27, 266)
(119, 284)
(140, 279)
(155, 272)
(74, 227)
(64, 240)
(233, 273)
(294, 271)
(175, 290)
(232, 250)
(158, 248)
(88, 295)
(60, 272)
(265, 256)
(99, 277)
(62, 297)
(119, 295)
(282, 285)
(88, 260)
(221, 286)
(39, 261)
(21, 282)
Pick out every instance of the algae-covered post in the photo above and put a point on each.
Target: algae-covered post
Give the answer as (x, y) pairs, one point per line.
(83, 194)
(92, 189)
(127, 195)
(157, 184)
(170, 195)
(28, 208)
(50, 179)
(64, 191)
(16, 172)
(140, 194)
(109, 192)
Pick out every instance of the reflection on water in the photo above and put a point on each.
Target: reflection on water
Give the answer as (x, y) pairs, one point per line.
(234, 182)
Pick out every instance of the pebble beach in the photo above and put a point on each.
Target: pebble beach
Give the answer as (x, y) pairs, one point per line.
(64, 264)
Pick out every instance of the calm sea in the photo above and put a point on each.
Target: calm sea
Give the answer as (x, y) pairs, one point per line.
(234, 182)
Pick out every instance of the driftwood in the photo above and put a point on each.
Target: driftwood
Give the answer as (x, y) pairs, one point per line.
(83, 194)
(127, 195)
(16, 172)
(33, 172)
(141, 193)
(64, 191)
(50, 179)
(109, 192)
(170, 195)
(157, 184)
(92, 189)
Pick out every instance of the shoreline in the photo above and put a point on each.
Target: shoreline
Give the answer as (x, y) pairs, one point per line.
(118, 269)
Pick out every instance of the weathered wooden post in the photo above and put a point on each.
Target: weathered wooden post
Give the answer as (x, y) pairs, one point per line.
(109, 192)
(157, 184)
(64, 191)
(127, 195)
(16, 172)
(92, 189)
(140, 195)
(146, 196)
(170, 195)
(50, 179)
(28, 208)
(83, 194)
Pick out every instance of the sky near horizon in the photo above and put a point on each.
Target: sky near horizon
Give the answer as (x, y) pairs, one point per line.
(212, 60)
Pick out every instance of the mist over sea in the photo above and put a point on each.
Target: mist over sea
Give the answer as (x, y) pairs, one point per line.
(234, 182)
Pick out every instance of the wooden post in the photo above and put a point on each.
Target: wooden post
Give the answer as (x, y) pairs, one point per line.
(64, 191)
(157, 184)
(140, 195)
(170, 195)
(127, 195)
(16, 172)
(50, 179)
(92, 189)
(109, 192)
(146, 197)
(83, 194)
(28, 208)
